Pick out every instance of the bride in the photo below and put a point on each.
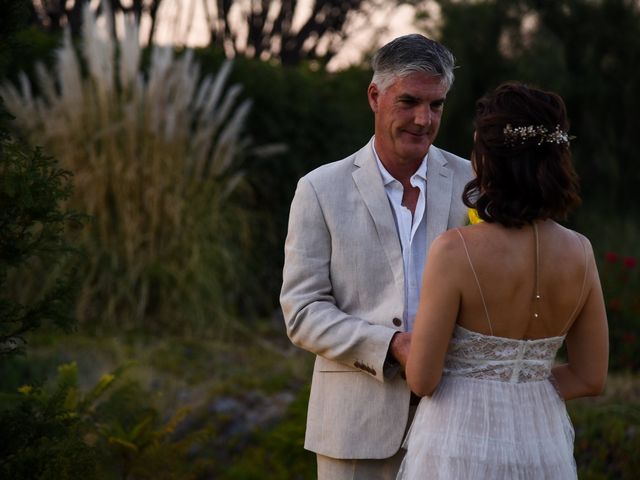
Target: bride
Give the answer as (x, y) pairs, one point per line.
(499, 299)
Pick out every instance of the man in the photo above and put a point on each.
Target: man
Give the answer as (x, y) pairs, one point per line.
(359, 231)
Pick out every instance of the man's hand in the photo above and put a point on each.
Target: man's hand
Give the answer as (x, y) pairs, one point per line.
(399, 347)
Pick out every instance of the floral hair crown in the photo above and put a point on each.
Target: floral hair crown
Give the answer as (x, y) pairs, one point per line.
(520, 134)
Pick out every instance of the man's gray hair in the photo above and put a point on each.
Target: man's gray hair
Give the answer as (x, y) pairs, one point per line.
(410, 54)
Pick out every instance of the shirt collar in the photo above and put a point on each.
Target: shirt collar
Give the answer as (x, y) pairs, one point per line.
(387, 178)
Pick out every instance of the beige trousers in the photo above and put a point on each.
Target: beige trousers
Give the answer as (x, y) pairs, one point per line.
(365, 469)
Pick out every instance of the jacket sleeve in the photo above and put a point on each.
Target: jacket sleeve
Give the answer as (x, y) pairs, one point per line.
(313, 320)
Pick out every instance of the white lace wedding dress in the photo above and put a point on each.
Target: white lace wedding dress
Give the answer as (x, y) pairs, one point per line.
(494, 416)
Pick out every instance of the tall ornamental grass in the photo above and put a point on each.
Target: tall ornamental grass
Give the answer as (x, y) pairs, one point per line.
(154, 153)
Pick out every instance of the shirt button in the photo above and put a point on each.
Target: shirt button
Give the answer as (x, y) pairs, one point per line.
(397, 322)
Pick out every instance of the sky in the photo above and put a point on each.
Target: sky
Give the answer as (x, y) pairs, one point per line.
(184, 22)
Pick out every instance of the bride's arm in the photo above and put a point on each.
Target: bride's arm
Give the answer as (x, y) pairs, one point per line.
(437, 313)
(587, 342)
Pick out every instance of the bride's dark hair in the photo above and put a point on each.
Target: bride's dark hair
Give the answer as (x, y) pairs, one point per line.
(521, 157)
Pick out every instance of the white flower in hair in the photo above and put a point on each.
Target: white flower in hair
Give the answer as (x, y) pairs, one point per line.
(540, 132)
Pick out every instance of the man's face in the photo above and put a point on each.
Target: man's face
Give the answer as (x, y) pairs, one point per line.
(407, 117)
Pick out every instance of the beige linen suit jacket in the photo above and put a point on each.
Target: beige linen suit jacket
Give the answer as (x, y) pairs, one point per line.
(343, 296)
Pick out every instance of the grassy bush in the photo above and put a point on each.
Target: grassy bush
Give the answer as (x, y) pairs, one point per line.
(154, 159)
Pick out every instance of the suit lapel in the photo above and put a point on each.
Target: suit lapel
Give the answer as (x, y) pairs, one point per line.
(439, 189)
(369, 183)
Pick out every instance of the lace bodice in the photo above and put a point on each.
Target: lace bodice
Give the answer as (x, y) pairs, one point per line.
(475, 355)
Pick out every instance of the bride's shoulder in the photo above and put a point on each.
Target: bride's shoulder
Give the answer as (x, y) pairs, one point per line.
(573, 236)
(451, 244)
(448, 242)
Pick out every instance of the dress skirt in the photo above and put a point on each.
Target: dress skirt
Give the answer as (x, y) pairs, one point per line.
(489, 429)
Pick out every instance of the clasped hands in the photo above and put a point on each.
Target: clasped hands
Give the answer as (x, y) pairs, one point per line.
(399, 347)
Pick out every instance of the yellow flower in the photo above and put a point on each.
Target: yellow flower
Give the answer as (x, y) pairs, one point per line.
(25, 389)
(473, 216)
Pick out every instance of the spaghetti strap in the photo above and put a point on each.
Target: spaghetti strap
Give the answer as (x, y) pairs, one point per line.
(584, 282)
(484, 304)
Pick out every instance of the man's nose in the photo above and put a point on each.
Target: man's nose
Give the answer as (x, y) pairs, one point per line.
(423, 116)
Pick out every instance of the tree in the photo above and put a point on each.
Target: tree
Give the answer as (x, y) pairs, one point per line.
(52, 15)
(579, 48)
(32, 242)
(268, 30)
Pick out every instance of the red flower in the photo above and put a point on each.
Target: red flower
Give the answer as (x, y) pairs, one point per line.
(628, 337)
(630, 262)
(611, 257)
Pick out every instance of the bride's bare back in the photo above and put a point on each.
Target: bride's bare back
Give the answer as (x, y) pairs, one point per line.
(504, 260)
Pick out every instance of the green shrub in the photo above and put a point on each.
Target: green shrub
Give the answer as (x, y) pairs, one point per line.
(112, 431)
(33, 242)
(620, 275)
(607, 440)
(42, 431)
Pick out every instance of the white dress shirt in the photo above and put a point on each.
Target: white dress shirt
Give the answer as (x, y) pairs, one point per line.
(412, 231)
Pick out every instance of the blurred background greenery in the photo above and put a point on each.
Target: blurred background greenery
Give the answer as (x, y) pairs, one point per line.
(144, 201)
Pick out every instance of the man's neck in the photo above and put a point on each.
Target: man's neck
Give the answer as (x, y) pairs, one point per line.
(402, 171)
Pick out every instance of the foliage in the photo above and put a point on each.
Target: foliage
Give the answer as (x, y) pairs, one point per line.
(143, 445)
(109, 432)
(273, 30)
(608, 432)
(581, 49)
(21, 45)
(621, 285)
(33, 240)
(179, 409)
(208, 377)
(21, 51)
(154, 162)
(616, 242)
(606, 142)
(321, 117)
(54, 15)
(41, 433)
(279, 451)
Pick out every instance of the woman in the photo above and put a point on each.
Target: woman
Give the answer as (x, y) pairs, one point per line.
(499, 299)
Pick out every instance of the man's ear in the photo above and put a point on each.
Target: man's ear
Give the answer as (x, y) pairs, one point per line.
(373, 95)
